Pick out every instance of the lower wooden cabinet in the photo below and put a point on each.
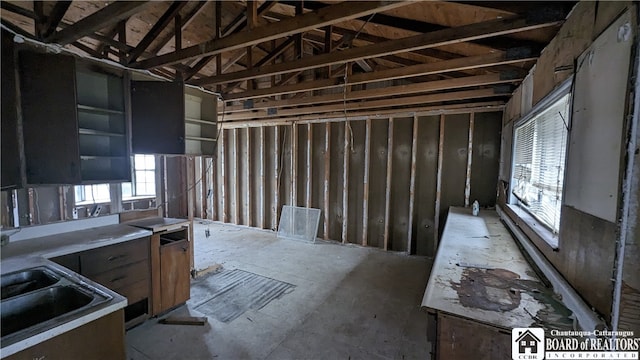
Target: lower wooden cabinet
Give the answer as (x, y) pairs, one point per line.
(174, 265)
(101, 339)
(124, 268)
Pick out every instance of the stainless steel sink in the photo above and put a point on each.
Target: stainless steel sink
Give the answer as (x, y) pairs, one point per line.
(25, 281)
(42, 298)
(24, 311)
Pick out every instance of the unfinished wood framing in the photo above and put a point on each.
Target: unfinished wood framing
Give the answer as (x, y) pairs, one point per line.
(439, 184)
(387, 196)
(263, 183)
(412, 184)
(345, 181)
(467, 187)
(327, 177)
(309, 183)
(365, 195)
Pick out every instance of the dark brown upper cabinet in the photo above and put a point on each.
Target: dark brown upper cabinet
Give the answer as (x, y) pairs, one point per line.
(157, 117)
(11, 154)
(74, 121)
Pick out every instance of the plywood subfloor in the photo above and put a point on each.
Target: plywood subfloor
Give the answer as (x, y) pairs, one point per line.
(349, 302)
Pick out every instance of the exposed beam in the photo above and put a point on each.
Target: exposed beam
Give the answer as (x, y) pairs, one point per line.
(161, 24)
(17, 10)
(328, 16)
(54, 18)
(422, 41)
(38, 10)
(471, 62)
(186, 20)
(239, 23)
(338, 116)
(430, 86)
(108, 15)
(374, 104)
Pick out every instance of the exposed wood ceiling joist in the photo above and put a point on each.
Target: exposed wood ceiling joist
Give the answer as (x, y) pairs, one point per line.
(330, 15)
(432, 39)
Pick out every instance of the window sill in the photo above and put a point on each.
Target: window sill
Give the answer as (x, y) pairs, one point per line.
(545, 234)
(135, 198)
(86, 203)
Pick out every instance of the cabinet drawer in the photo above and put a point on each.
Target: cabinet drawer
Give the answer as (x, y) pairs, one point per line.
(103, 259)
(135, 292)
(122, 276)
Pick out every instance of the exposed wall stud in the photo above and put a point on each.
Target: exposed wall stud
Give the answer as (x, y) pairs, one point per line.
(223, 178)
(327, 174)
(276, 183)
(365, 195)
(249, 214)
(165, 182)
(345, 182)
(294, 164)
(236, 175)
(412, 183)
(387, 195)
(467, 185)
(309, 164)
(436, 227)
(263, 184)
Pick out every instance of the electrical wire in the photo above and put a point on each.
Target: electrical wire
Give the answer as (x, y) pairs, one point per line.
(346, 81)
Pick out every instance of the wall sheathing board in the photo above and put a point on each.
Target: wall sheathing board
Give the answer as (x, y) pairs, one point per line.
(454, 165)
(356, 183)
(485, 158)
(377, 182)
(301, 171)
(255, 181)
(335, 180)
(318, 171)
(426, 178)
(400, 179)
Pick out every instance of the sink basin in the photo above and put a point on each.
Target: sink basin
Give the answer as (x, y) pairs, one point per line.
(41, 298)
(22, 282)
(24, 311)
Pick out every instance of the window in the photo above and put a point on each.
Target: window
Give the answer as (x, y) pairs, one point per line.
(92, 194)
(540, 146)
(144, 177)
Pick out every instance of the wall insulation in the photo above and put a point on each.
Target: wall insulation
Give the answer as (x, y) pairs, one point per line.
(375, 180)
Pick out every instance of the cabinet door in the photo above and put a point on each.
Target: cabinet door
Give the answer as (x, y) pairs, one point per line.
(49, 118)
(174, 273)
(10, 148)
(157, 117)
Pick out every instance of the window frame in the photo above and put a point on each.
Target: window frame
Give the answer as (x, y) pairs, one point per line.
(543, 230)
(134, 170)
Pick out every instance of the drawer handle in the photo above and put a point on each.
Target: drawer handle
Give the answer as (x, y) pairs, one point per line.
(184, 249)
(118, 278)
(111, 258)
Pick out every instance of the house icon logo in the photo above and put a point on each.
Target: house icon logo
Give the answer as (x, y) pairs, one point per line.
(527, 344)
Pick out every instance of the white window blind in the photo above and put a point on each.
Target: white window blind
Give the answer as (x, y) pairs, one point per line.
(539, 158)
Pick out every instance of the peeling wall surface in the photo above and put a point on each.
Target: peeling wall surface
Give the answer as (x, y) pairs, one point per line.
(326, 166)
(589, 226)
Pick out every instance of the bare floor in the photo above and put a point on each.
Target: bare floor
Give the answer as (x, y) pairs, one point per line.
(348, 303)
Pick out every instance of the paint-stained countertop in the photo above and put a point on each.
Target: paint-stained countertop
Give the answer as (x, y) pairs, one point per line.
(480, 274)
(71, 242)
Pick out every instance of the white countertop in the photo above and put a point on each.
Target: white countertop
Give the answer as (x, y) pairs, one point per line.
(34, 252)
(159, 224)
(480, 274)
(71, 242)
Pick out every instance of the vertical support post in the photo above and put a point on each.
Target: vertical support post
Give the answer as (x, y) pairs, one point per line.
(236, 175)
(365, 195)
(345, 183)
(412, 183)
(328, 45)
(309, 164)
(276, 183)
(165, 182)
(294, 164)
(467, 184)
(387, 193)
(191, 206)
(204, 187)
(217, 36)
(263, 183)
(327, 173)
(436, 222)
(178, 32)
(223, 178)
(122, 37)
(248, 219)
(61, 203)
